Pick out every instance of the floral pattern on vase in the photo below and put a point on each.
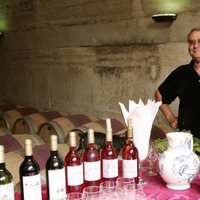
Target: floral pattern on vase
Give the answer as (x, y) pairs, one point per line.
(179, 165)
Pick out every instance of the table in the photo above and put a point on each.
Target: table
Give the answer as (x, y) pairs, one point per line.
(156, 189)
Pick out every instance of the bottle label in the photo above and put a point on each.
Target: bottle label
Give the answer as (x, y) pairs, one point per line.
(7, 191)
(110, 168)
(75, 175)
(32, 187)
(92, 171)
(57, 184)
(129, 168)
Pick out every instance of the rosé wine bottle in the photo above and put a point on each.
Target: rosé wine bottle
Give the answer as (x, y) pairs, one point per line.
(130, 160)
(91, 162)
(73, 167)
(109, 157)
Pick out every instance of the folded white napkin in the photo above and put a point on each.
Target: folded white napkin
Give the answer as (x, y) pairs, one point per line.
(142, 118)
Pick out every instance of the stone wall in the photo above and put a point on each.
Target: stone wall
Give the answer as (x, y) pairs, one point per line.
(84, 56)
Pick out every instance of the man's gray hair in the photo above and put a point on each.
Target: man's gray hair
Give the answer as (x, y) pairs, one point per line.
(194, 29)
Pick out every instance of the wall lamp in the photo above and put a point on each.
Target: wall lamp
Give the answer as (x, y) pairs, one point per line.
(164, 17)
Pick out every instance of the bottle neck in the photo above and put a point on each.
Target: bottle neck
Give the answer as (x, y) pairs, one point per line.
(108, 143)
(28, 148)
(130, 132)
(108, 135)
(54, 153)
(90, 136)
(2, 166)
(28, 157)
(72, 148)
(54, 143)
(2, 160)
(91, 145)
(130, 139)
(72, 139)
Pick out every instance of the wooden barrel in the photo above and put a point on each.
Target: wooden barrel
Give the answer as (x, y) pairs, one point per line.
(62, 126)
(119, 130)
(118, 127)
(5, 131)
(30, 124)
(9, 117)
(40, 153)
(16, 142)
(13, 161)
(6, 107)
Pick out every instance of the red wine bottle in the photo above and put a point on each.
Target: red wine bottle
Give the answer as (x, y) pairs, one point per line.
(6, 179)
(91, 162)
(55, 173)
(130, 159)
(109, 157)
(73, 167)
(30, 180)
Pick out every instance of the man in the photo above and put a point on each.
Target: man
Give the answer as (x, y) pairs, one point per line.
(184, 83)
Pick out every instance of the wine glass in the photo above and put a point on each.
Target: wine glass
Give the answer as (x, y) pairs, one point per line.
(121, 181)
(143, 146)
(150, 164)
(74, 196)
(92, 193)
(113, 193)
(133, 190)
(108, 184)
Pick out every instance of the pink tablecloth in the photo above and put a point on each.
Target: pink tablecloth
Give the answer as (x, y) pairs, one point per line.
(156, 189)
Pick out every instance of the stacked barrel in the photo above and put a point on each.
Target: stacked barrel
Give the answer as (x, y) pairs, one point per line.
(18, 123)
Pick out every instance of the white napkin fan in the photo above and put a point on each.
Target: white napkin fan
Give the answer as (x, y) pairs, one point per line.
(142, 117)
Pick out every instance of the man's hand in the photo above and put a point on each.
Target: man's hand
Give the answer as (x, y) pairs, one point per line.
(173, 122)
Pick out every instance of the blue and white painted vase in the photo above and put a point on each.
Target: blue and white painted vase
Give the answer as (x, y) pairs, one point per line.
(179, 165)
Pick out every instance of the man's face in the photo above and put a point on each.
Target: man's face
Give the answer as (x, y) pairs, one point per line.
(194, 45)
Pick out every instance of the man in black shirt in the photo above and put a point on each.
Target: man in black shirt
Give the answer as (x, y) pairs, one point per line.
(184, 83)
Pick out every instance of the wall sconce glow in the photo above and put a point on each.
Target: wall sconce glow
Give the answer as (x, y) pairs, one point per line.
(3, 23)
(171, 6)
(164, 17)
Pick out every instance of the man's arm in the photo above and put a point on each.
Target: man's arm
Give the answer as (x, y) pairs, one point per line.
(166, 110)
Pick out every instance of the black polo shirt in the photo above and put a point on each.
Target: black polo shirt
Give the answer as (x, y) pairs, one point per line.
(184, 83)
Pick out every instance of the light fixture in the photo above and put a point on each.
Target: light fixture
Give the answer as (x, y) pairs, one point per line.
(1, 34)
(164, 17)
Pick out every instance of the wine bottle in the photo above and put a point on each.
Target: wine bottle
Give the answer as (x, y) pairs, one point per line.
(109, 157)
(91, 162)
(30, 179)
(6, 179)
(73, 167)
(55, 173)
(130, 159)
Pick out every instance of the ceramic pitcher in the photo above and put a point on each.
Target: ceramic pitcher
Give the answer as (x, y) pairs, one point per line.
(179, 165)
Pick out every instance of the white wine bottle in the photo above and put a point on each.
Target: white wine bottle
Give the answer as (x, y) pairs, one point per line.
(6, 179)
(30, 180)
(55, 173)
